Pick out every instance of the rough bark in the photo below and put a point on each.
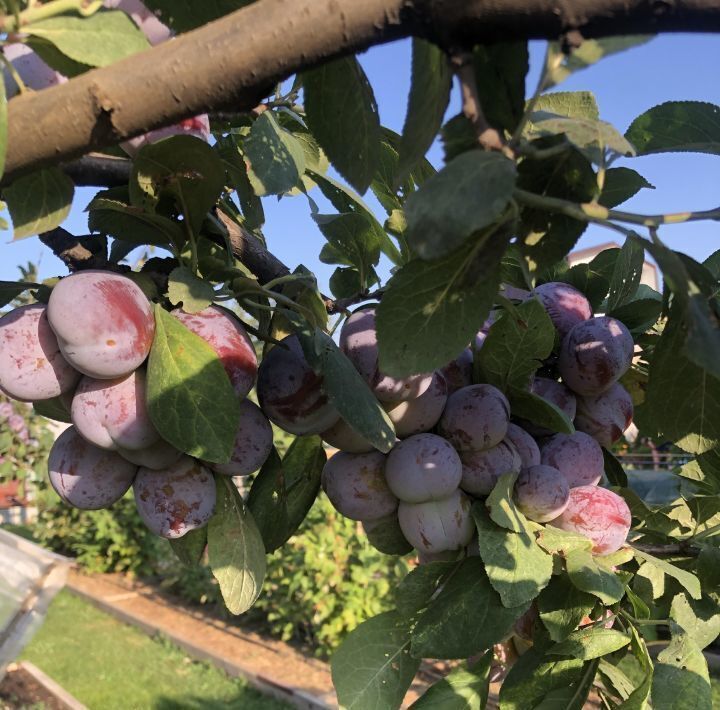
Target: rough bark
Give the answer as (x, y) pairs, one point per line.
(229, 64)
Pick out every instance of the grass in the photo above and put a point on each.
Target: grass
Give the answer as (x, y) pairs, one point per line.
(106, 664)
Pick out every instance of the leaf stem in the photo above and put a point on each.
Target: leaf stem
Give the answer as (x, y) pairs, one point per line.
(644, 622)
(22, 87)
(15, 22)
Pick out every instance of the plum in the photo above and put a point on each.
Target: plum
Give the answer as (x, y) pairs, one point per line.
(175, 500)
(481, 470)
(343, 437)
(385, 535)
(356, 485)
(577, 456)
(32, 368)
(225, 334)
(424, 467)
(158, 456)
(198, 127)
(600, 515)
(358, 340)
(33, 71)
(565, 305)
(541, 493)
(415, 416)
(556, 393)
(595, 354)
(112, 414)
(253, 442)
(605, 416)
(438, 525)
(475, 418)
(524, 443)
(103, 322)
(155, 31)
(86, 476)
(291, 394)
(458, 372)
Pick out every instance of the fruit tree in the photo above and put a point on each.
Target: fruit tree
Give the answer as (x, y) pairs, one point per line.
(476, 397)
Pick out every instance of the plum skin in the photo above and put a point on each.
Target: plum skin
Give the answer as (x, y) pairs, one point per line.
(86, 476)
(156, 457)
(600, 515)
(565, 305)
(458, 372)
(577, 456)
(541, 493)
(605, 416)
(175, 500)
(422, 468)
(356, 486)
(32, 368)
(526, 446)
(418, 415)
(481, 470)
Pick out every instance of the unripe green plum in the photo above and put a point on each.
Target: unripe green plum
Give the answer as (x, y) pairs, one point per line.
(481, 470)
(415, 416)
(577, 456)
(541, 493)
(605, 416)
(344, 438)
(525, 444)
(565, 305)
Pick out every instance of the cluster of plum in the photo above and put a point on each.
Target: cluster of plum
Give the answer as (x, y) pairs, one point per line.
(87, 347)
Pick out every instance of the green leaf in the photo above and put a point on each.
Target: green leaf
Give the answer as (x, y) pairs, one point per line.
(465, 618)
(677, 126)
(38, 202)
(562, 606)
(638, 698)
(591, 576)
(275, 158)
(430, 311)
(237, 174)
(516, 346)
(570, 104)
(687, 580)
(184, 16)
(593, 279)
(420, 584)
(539, 411)
(190, 547)
(429, 95)
(3, 127)
(613, 470)
(626, 275)
(192, 292)
(501, 506)
(9, 290)
(183, 167)
(386, 536)
(342, 114)
(373, 669)
(575, 695)
(464, 688)
(53, 408)
(681, 679)
(561, 542)
(236, 554)
(615, 680)
(620, 185)
(516, 567)
(283, 492)
(587, 644)
(55, 59)
(699, 618)
(98, 40)
(640, 312)
(190, 398)
(469, 193)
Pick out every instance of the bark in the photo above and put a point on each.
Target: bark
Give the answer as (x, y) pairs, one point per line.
(230, 64)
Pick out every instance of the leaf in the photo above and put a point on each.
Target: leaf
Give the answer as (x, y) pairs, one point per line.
(97, 40)
(561, 542)
(192, 292)
(620, 185)
(575, 695)
(539, 411)
(593, 279)
(284, 491)
(516, 567)
(613, 470)
(373, 669)
(190, 547)
(571, 104)
(591, 576)
(3, 126)
(237, 176)
(471, 192)
(626, 275)
(465, 618)
(638, 698)
(686, 579)
(562, 606)
(274, 156)
(464, 688)
(189, 396)
(430, 311)
(53, 408)
(386, 536)
(677, 126)
(38, 202)
(681, 679)
(516, 346)
(501, 506)
(342, 113)
(700, 619)
(614, 679)
(587, 644)
(429, 95)
(236, 554)
(419, 586)
(640, 313)
(184, 16)
(10, 290)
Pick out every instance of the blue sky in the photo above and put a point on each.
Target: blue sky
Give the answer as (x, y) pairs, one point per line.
(671, 67)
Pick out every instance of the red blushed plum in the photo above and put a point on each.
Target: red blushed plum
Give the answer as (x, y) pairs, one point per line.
(175, 500)
(358, 340)
(225, 334)
(344, 438)
(577, 456)
(458, 372)
(556, 393)
(422, 468)
(439, 525)
(481, 470)
(112, 414)
(33, 71)
(356, 486)
(158, 456)
(85, 476)
(103, 322)
(475, 418)
(291, 394)
(595, 354)
(415, 416)
(32, 367)
(526, 446)
(600, 515)
(605, 416)
(565, 305)
(541, 493)
(253, 442)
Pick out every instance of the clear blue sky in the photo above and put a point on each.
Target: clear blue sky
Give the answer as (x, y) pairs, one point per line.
(668, 68)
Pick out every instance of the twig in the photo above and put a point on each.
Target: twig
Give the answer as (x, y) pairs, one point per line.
(78, 253)
(683, 549)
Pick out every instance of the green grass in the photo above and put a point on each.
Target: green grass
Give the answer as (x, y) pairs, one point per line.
(106, 664)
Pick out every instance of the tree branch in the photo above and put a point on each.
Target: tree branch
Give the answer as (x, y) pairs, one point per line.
(95, 170)
(230, 64)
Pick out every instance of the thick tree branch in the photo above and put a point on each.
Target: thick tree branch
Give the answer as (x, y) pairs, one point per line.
(97, 170)
(76, 253)
(231, 63)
